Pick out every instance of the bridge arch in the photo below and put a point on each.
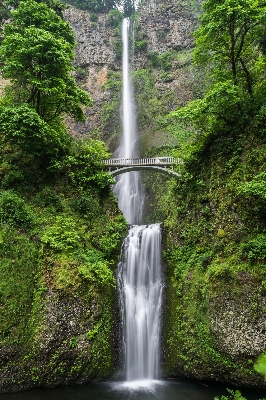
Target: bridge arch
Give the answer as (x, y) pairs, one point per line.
(130, 168)
(119, 166)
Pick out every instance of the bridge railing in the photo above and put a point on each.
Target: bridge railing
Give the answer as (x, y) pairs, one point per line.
(118, 162)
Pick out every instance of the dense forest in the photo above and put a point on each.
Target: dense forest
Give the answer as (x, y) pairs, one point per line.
(61, 230)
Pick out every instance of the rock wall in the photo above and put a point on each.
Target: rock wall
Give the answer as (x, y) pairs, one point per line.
(165, 27)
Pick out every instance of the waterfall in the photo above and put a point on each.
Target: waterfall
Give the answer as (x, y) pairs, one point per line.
(128, 187)
(139, 281)
(139, 271)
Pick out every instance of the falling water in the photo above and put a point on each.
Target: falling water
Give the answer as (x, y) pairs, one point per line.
(128, 186)
(141, 290)
(139, 277)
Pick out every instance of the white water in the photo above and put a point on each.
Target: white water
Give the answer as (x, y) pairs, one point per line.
(128, 187)
(139, 277)
(141, 290)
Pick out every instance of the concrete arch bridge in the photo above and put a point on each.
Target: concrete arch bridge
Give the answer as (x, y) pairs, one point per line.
(164, 165)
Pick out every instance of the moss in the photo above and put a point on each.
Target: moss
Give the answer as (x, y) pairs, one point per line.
(215, 266)
(56, 322)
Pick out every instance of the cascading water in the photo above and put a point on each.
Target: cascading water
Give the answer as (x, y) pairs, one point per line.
(141, 290)
(128, 188)
(139, 277)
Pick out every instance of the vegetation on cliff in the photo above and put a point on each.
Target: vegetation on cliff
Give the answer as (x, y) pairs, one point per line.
(104, 6)
(60, 228)
(215, 224)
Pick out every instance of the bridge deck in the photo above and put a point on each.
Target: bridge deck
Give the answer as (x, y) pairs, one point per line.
(156, 161)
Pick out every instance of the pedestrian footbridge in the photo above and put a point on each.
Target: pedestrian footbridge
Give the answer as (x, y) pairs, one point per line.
(164, 165)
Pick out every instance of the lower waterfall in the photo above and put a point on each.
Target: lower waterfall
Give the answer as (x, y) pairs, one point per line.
(140, 289)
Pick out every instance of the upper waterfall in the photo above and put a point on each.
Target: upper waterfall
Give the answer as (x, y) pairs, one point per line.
(128, 186)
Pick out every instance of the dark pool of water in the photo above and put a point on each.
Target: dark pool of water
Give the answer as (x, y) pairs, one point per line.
(161, 390)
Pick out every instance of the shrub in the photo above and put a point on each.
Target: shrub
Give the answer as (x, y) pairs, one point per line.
(80, 73)
(255, 249)
(14, 211)
(118, 48)
(115, 18)
(27, 135)
(94, 17)
(85, 205)
(232, 396)
(98, 272)
(163, 61)
(255, 191)
(62, 235)
(83, 165)
(48, 198)
(141, 45)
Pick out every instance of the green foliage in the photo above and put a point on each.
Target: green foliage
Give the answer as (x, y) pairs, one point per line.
(213, 253)
(260, 365)
(118, 47)
(62, 235)
(80, 73)
(227, 38)
(141, 45)
(83, 165)
(55, 221)
(95, 6)
(233, 395)
(161, 33)
(93, 332)
(86, 205)
(109, 241)
(55, 5)
(254, 189)
(226, 45)
(36, 55)
(255, 249)
(98, 272)
(163, 60)
(128, 7)
(41, 16)
(29, 141)
(29, 135)
(4, 13)
(18, 269)
(221, 108)
(115, 18)
(48, 198)
(14, 211)
(94, 17)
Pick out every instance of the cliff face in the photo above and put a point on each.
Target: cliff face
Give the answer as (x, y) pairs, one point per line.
(162, 29)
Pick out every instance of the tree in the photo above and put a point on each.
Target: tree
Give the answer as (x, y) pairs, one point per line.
(229, 38)
(36, 56)
(98, 6)
(4, 13)
(128, 7)
(55, 5)
(229, 43)
(23, 130)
